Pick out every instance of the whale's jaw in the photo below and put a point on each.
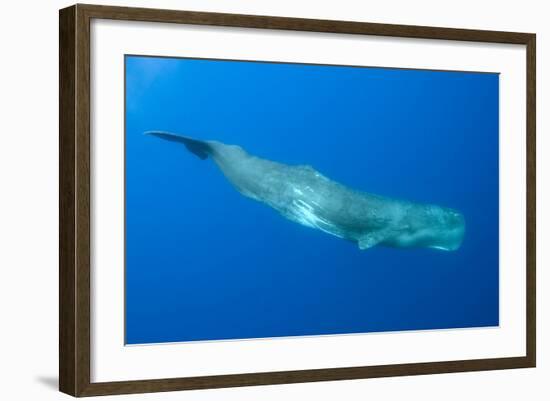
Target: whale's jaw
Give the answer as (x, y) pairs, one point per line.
(451, 235)
(450, 240)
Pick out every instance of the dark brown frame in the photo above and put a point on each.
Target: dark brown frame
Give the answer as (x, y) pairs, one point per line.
(74, 199)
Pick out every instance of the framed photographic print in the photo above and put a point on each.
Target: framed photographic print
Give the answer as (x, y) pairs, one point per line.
(250, 200)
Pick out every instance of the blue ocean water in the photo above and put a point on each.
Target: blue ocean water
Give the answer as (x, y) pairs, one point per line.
(205, 263)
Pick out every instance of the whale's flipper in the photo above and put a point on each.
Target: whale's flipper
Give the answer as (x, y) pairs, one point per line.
(371, 239)
(368, 241)
(199, 148)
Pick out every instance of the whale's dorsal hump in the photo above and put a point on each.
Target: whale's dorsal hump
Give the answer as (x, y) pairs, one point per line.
(309, 170)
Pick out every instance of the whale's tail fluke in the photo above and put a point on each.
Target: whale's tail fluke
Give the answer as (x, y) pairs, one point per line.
(199, 148)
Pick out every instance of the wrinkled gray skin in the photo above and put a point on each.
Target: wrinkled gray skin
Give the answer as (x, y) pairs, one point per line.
(305, 196)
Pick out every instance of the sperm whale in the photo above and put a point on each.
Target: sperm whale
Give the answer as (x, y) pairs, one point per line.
(305, 196)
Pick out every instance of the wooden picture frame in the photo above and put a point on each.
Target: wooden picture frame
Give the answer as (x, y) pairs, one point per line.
(74, 200)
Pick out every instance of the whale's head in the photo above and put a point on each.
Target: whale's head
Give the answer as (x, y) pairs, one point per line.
(432, 226)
